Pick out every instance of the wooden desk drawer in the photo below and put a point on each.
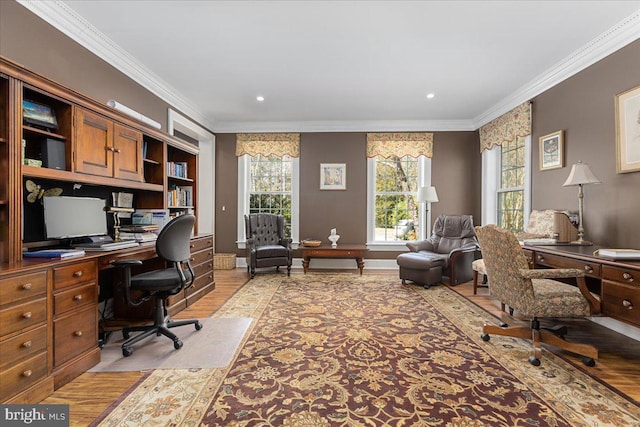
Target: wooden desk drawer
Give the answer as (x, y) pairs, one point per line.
(204, 268)
(74, 274)
(199, 244)
(200, 282)
(23, 346)
(200, 257)
(22, 287)
(22, 375)
(74, 334)
(621, 301)
(621, 275)
(592, 269)
(23, 316)
(529, 256)
(74, 298)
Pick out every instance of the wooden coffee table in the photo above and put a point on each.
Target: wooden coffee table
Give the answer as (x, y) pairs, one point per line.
(341, 251)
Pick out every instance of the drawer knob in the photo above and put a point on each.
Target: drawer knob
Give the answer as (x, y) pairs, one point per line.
(77, 333)
(541, 258)
(27, 373)
(588, 269)
(627, 304)
(26, 344)
(77, 297)
(27, 315)
(77, 273)
(26, 286)
(628, 277)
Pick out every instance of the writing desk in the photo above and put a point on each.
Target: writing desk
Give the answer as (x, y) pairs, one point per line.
(618, 281)
(49, 316)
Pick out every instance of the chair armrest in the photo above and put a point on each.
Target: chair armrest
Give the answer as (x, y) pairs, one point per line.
(423, 245)
(250, 244)
(564, 273)
(125, 265)
(464, 249)
(286, 242)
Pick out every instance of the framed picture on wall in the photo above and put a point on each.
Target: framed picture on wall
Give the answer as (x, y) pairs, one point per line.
(333, 176)
(628, 131)
(551, 151)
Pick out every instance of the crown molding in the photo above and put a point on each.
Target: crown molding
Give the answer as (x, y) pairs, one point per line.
(59, 15)
(615, 38)
(66, 20)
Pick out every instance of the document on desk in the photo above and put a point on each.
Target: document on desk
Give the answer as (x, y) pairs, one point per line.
(104, 247)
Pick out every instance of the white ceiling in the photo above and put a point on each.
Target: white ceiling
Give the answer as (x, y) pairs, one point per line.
(346, 65)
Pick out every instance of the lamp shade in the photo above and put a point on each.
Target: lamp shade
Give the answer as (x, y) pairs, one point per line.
(427, 195)
(580, 174)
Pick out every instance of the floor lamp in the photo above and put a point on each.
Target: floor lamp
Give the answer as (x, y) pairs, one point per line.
(580, 175)
(427, 195)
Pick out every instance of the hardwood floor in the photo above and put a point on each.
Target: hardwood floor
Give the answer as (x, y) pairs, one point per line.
(618, 363)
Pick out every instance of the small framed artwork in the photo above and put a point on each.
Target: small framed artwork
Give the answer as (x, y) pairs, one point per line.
(333, 176)
(628, 131)
(551, 151)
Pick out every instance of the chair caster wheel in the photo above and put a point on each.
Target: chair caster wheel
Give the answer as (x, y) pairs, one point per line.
(198, 326)
(177, 344)
(503, 325)
(404, 282)
(485, 337)
(427, 286)
(588, 361)
(126, 335)
(126, 352)
(534, 361)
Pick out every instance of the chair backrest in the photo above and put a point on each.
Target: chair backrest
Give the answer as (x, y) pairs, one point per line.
(452, 232)
(173, 243)
(265, 229)
(503, 259)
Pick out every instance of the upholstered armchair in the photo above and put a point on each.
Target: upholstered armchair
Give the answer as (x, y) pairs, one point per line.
(266, 245)
(533, 294)
(453, 241)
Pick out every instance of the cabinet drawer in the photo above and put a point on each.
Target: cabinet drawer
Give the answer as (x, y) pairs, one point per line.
(202, 269)
(23, 346)
(200, 257)
(73, 335)
(74, 274)
(622, 275)
(22, 375)
(73, 298)
(22, 287)
(200, 282)
(23, 316)
(199, 244)
(621, 301)
(592, 269)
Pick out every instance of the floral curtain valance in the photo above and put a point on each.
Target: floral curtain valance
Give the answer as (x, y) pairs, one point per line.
(506, 128)
(411, 144)
(268, 144)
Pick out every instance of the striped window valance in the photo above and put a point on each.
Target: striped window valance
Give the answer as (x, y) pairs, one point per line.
(506, 128)
(268, 144)
(412, 144)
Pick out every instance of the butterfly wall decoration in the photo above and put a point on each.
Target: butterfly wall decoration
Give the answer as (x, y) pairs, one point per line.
(36, 192)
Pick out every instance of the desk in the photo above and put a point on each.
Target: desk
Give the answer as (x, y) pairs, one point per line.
(355, 252)
(618, 282)
(49, 316)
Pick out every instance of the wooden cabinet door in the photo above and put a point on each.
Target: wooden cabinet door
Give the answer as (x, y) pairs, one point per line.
(127, 157)
(93, 144)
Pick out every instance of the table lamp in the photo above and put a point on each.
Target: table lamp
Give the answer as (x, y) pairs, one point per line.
(580, 175)
(427, 195)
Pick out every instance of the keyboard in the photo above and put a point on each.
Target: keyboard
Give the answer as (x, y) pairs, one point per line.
(110, 246)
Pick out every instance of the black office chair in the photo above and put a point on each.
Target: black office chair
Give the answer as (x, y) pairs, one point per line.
(172, 246)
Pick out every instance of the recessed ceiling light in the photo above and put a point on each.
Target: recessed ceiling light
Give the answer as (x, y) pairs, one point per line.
(431, 95)
(260, 98)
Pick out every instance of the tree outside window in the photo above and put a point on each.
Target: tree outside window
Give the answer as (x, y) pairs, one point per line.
(511, 187)
(270, 188)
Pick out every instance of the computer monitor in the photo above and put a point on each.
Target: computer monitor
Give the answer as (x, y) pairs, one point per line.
(67, 217)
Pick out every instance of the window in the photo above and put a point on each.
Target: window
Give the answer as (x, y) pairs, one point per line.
(268, 184)
(394, 214)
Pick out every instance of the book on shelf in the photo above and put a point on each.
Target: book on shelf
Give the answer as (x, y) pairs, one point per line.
(139, 237)
(628, 254)
(54, 253)
(139, 228)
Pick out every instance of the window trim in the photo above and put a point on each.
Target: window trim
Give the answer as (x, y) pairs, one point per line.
(424, 179)
(244, 183)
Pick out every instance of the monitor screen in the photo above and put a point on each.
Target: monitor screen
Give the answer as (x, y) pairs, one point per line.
(67, 217)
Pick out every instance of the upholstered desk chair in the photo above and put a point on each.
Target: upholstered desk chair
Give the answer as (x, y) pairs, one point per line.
(534, 294)
(453, 241)
(266, 244)
(172, 245)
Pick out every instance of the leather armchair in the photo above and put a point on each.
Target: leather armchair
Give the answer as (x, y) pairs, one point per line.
(453, 241)
(266, 244)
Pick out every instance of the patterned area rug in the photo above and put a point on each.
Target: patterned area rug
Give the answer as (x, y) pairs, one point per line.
(345, 350)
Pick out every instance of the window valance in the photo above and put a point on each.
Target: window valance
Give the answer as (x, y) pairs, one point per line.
(506, 128)
(268, 144)
(412, 144)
